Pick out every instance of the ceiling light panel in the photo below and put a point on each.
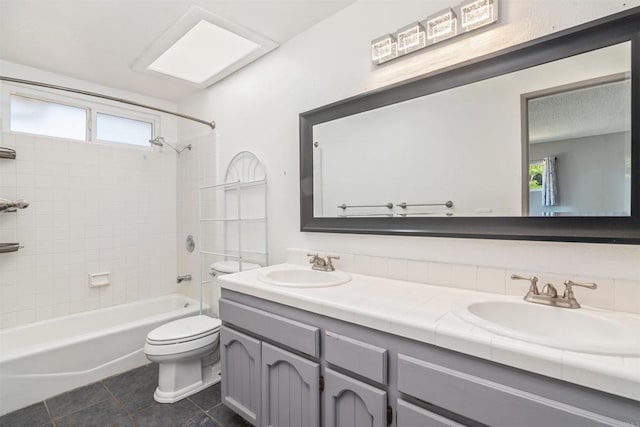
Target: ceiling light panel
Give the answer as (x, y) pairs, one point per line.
(202, 48)
(203, 52)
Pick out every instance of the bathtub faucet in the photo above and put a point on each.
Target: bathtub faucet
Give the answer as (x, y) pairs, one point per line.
(184, 278)
(11, 206)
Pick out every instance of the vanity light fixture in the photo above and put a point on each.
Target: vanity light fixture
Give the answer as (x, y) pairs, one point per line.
(448, 23)
(410, 38)
(441, 26)
(384, 49)
(478, 13)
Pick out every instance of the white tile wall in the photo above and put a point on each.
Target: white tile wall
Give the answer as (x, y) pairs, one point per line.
(612, 293)
(195, 168)
(93, 207)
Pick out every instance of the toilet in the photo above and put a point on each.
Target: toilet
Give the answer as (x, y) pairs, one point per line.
(185, 349)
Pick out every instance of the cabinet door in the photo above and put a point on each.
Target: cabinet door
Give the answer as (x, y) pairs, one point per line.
(352, 403)
(240, 360)
(290, 389)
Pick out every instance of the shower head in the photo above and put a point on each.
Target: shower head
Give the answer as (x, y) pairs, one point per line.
(158, 140)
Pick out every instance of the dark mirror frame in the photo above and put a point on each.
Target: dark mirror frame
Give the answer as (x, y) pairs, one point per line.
(614, 29)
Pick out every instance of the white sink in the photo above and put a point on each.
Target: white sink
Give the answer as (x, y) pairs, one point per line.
(582, 330)
(303, 278)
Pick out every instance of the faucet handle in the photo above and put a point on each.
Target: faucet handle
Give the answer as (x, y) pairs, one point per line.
(330, 263)
(313, 258)
(568, 292)
(533, 280)
(569, 284)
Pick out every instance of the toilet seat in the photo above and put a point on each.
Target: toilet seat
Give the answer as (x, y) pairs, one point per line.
(184, 330)
(186, 336)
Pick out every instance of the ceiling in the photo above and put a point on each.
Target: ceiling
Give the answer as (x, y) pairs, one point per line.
(100, 40)
(595, 110)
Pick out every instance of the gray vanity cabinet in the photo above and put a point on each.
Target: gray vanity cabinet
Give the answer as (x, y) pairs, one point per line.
(274, 367)
(410, 415)
(290, 391)
(240, 359)
(352, 403)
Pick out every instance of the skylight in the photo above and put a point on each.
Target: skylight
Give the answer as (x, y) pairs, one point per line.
(202, 48)
(203, 52)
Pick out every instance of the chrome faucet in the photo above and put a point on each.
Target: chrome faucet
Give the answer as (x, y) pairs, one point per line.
(322, 264)
(549, 294)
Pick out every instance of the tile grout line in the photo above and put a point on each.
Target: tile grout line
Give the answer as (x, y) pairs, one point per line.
(80, 409)
(126, 411)
(46, 407)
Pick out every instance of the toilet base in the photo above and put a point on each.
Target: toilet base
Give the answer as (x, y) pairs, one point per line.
(180, 380)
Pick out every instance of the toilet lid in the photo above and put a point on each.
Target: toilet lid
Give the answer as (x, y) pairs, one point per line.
(186, 328)
(233, 266)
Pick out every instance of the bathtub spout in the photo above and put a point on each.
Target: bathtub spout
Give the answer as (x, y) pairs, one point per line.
(184, 278)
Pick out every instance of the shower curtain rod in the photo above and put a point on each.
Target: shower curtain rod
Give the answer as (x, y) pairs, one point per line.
(211, 124)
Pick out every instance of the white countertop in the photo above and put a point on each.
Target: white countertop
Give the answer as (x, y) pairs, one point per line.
(423, 313)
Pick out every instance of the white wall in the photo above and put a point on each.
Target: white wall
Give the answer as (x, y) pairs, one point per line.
(93, 208)
(257, 108)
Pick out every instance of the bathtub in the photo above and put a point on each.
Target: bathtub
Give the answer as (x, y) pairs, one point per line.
(46, 358)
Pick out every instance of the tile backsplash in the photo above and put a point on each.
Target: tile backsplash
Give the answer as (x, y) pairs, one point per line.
(93, 208)
(612, 293)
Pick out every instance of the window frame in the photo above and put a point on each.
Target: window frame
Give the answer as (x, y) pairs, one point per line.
(92, 108)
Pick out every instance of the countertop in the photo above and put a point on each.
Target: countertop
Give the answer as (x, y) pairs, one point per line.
(424, 313)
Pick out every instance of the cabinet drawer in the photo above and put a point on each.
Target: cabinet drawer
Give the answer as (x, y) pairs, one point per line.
(410, 415)
(293, 334)
(356, 356)
(486, 401)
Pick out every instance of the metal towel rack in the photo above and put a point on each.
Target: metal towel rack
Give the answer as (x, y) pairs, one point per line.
(345, 206)
(368, 214)
(405, 205)
(7, 153)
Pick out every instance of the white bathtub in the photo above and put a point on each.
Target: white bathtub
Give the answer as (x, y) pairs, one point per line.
(46, 358)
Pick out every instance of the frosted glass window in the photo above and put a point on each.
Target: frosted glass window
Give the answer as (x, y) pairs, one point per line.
(123, 130)
(48, 118)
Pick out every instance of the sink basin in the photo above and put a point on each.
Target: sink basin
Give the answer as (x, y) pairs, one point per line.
(302, 278)
(582, 330)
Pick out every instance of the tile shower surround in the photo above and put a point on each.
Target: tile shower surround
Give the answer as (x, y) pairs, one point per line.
(612, 294)
(93, 208)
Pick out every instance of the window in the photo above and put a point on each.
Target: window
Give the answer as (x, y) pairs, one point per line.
(40, 117)
(53, 115)
(536, 170)
(124, 130)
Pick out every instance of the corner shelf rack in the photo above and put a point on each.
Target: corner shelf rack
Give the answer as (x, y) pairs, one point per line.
(233, 216)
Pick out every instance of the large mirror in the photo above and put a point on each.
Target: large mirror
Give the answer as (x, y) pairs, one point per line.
(537, 142)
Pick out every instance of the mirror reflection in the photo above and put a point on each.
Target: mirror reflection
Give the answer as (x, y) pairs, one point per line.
(545, 141)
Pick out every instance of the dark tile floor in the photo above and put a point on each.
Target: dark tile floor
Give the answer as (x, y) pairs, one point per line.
(126, 400)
